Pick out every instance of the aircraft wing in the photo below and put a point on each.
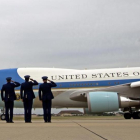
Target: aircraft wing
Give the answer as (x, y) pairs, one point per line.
(129, 90)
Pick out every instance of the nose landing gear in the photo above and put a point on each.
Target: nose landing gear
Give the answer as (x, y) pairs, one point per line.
(3, 116)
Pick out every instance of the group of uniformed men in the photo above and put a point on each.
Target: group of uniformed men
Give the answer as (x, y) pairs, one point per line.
(27, 96)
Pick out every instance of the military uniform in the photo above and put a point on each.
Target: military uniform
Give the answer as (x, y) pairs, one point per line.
(27, 95)
(46, 96)
(9, 98)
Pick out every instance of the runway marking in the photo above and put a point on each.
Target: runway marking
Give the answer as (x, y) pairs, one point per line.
(90, 131)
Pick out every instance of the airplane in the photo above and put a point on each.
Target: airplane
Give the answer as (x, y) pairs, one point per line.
(97, 90)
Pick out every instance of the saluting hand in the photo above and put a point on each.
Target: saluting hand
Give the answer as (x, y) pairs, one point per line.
(12, 81)
(49, 80)
(31, 79)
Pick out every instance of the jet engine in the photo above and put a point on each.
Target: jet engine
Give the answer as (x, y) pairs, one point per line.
(108, 101)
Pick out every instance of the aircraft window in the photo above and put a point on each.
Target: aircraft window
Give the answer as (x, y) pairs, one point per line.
(91, 84)
(60, 85)
(118, 82)
(115, 83)
(109, 83)
(97, 84)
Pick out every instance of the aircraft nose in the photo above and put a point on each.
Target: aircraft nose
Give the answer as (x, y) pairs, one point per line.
(4, 73)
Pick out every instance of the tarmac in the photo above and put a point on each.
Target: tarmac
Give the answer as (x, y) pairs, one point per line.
(71, 130)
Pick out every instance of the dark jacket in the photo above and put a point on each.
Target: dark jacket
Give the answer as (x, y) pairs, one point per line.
(45, 91)
(26, 90)
(9, 91)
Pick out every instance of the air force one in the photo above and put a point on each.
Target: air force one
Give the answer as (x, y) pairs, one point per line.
(99, 90)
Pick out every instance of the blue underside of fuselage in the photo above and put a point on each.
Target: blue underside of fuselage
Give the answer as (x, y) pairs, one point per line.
(85, 84)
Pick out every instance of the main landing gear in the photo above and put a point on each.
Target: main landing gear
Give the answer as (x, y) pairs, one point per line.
(3, 116)
(131, 114)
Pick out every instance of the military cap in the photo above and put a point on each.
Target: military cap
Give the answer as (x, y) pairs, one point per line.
(44, 77)
(8, 78)
(27, 76)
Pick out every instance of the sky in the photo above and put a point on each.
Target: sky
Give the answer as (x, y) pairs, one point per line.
(74, 34)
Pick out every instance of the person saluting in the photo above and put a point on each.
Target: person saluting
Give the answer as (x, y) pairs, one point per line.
(9, 97)
(46, 96)
(27, 96)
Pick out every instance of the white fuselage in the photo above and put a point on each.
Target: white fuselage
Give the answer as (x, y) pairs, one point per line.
(69, 80)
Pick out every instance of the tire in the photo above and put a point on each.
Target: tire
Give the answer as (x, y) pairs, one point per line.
(136, 115)
(127, 116)
(3, 117)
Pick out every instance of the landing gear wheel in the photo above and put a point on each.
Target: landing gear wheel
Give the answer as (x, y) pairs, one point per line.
(3, 117)
(136, 115)
(127, 116)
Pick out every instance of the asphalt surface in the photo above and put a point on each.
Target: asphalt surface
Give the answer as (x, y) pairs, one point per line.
(71, 130)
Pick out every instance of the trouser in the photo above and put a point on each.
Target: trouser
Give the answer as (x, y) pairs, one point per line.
(47, 110)
(9, 105)
(27, 110)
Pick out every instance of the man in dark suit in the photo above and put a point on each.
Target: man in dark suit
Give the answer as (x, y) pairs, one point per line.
(9, 97)
(46, 96)
(27, 96)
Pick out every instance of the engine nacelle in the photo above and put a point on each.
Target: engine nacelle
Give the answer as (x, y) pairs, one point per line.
(102, 101)
(108, 102)
(135, 84)
(126, 102)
